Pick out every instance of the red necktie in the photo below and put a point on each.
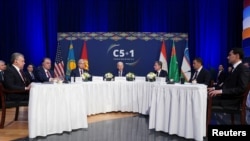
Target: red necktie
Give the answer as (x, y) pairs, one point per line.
(48, 74)
(23, 76)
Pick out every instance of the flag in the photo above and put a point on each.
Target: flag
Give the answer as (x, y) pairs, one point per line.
(173, 68)
(71, 62)
(59, 65)
(163, 56)
(84, 56)
(185, 66)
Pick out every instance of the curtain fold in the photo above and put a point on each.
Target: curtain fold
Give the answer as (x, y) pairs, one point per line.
(31, 27)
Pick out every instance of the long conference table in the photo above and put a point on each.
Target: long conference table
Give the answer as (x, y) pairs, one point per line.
(173, 108)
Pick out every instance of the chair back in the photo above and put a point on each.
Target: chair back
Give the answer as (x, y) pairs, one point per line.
(244, 100)
(2, 96)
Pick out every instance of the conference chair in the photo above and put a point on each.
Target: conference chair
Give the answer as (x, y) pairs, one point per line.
(5, 104)
(240, 109)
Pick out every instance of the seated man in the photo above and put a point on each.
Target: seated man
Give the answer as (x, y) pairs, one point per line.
(81, 68)
(44, 72)
(201, 75)
(2, 69)
(158, 70)
(14, 78)
(235, 84)
(120, 71)
(30, 73)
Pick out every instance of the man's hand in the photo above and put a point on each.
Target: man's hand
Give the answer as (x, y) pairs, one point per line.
(214, 93)
(210, 89)
(28, 87)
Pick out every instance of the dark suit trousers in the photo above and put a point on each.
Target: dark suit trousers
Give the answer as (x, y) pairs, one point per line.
(17, 97)
(226, 101)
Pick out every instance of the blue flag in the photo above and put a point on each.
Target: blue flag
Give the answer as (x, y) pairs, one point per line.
(71, 62)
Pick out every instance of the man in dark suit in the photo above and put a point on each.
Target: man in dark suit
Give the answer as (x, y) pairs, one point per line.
(81, 68)
(120, 71)
(30, 73)
(158, 70)
(2, 69)
(14, 78)
(235, 84)
(44, 72)
(221, 76)
(201, 75)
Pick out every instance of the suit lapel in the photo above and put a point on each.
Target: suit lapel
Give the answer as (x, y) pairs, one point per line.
(77, 72)
(17, 74)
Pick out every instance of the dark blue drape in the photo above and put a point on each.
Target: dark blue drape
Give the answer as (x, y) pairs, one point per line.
(30, 27)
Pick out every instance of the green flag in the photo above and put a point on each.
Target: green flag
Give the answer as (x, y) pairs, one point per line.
(173, 68)
(71, 63)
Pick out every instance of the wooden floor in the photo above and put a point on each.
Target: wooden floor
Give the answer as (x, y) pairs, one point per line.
(19, 129)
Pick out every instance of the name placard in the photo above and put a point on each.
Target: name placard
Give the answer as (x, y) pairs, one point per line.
(78, 79)
(97, 78)
(160, 79)
(120, 78)
(140, 78)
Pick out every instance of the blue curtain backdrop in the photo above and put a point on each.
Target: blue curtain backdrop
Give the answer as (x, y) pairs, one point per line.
(30, 27)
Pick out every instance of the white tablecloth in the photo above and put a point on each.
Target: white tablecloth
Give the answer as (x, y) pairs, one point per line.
(179, 109)
(122, 96)
(54, 108)
(176, 109)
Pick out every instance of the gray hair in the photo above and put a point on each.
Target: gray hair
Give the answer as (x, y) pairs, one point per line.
(121, 63)
(14, 56)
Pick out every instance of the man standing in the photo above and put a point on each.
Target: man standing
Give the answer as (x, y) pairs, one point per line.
(221, 76)
(2, 69)
(44, 72)
(14, 77)
(201, 75)
(235, 84)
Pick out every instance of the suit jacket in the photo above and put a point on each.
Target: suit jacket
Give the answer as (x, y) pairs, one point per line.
(31, 79)
(221, 78)
(1, 76)
(75, 72)
(116, 72)
(41, 76)
(234, 86)
(204, 77)
(163, 73)
(13, 80)
(237, 81)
